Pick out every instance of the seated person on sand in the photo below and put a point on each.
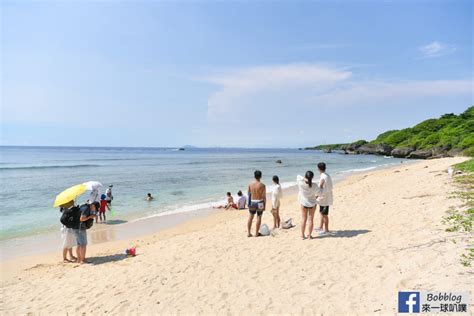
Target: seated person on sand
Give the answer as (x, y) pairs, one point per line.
(230, 203)
(241, 201)
(149, 197)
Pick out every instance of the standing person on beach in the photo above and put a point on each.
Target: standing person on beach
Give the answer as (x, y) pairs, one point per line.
(67, 236)
(257, 202)
(307, 199)
(324, 197)
(276, 196)
(108, 194)
(103, 206)
(88, 213)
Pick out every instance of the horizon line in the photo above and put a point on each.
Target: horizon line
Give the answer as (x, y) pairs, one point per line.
(154, 147)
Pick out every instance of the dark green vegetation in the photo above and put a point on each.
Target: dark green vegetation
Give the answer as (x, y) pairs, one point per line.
(450, 131)
(467, 166)
(325, 147)
(460, 220)
(449, 135)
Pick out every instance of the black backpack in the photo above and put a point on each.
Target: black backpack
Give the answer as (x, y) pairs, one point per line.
(87, 224)
(71, 217)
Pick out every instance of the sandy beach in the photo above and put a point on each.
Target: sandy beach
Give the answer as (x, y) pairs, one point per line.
(387, 235)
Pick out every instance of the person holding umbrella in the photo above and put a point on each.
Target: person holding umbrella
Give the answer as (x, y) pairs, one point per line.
(67, 236)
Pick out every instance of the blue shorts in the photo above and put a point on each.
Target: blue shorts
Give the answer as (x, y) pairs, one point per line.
(81, 237)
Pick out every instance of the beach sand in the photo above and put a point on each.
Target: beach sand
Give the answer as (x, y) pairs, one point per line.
(387, 236)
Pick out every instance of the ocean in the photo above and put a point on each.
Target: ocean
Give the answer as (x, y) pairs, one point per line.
(180, 181)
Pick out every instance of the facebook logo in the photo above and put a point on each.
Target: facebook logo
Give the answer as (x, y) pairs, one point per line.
(408, 302)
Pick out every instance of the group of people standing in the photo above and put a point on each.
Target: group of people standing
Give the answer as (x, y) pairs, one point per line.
(310, 195)
(87, 213)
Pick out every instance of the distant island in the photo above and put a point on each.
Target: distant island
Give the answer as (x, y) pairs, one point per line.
(449, 135)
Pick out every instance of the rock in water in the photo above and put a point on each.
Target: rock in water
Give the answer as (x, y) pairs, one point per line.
(279, 161)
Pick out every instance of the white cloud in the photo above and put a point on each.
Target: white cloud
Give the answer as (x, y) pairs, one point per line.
(280, 81)
(436, 49)
(281, 91)
(359, 93)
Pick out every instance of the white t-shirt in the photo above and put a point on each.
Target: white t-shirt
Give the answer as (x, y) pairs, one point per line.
(306, 194)
(276, 195)
(325, 190)
(108, 194)
(241, 202)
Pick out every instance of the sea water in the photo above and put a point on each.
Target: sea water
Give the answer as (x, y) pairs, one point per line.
(180, 180)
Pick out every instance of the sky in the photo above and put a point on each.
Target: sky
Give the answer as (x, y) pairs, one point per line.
(231, 74)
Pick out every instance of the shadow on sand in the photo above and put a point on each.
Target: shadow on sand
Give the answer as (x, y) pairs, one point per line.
(345, 233)
(115, 221)
(105, 259)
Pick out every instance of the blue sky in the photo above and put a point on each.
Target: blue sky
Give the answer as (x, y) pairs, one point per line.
(245, 74)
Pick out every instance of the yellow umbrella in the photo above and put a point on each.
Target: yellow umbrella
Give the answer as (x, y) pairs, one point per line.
(69, 194)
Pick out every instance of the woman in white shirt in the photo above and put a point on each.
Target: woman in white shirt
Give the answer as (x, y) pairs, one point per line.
(276, 196)
(307, 200)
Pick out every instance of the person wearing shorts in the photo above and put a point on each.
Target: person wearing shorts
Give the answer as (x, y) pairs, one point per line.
(324, 210)
(81, 232)
(103, 206)
(257, 201)
(325, 198)
(255, 211)
(81, 237)
(307, 199)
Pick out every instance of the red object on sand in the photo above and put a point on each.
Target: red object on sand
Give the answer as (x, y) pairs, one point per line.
(131, 251)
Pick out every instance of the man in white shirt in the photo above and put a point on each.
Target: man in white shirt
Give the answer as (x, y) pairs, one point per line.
(108, 194)
(325, 198)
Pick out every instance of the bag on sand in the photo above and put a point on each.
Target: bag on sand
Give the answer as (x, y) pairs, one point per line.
(264, 230)
(71, 217)
(287, 224)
